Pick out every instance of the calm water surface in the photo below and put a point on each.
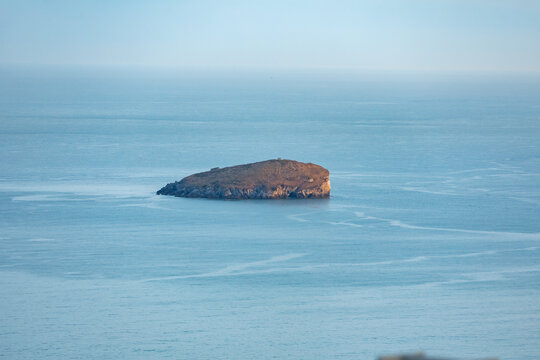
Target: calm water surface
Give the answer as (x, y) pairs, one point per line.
(431, 240)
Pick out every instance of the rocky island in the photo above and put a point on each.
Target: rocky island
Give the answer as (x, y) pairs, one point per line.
(270, 179)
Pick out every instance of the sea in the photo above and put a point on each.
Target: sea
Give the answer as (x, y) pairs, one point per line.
(430, 240)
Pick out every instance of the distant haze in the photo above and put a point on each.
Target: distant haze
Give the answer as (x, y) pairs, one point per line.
(459, 35)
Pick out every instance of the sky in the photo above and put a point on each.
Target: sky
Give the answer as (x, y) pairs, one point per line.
(431, 35)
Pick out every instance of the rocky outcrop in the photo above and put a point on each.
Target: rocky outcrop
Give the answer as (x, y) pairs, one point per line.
(417, 356)
(271, 179)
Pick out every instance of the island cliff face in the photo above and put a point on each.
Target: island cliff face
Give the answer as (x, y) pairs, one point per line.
(271, 179)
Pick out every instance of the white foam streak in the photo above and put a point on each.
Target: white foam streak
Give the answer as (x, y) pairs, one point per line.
(403, 225)
(344, 223)
(297, 217)
(427, 191)
(152, 205)
(76, 188)
(236, 269)
(44, 197)
(390, 262)
(481, 277)
(433, 257)
(40, 240)
(474, 170)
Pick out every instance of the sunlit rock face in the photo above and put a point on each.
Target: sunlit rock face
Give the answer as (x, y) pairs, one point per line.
(271, 179)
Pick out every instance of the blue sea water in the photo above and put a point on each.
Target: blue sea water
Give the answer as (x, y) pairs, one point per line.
(430, 241)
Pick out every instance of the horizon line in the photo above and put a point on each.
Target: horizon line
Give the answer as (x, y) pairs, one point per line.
(255, 68)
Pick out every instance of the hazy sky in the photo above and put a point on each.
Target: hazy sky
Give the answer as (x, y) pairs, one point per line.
(379, 34)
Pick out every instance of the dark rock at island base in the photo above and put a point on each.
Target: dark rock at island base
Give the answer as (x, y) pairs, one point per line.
(271, 179)
(417, 356)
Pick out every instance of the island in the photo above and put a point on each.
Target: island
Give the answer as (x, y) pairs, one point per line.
(270, 179)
